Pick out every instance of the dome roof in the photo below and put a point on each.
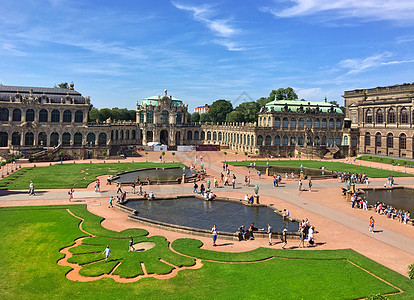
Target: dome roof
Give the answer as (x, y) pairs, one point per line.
(154, 100)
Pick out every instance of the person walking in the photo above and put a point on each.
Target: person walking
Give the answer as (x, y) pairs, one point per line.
(140, 188)
(110, 202)
(371, 224)
(302, 238)
(300, 184)
(31, 189)
(70, 193)
(310, 185)
(195, 187)
(214, 233)
(133, 187)
(119, 190)
(233, 182)
(270, 232)
(131, 244)
(106, 251)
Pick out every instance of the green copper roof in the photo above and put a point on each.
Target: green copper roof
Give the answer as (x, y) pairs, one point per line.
(293, 105)
(153, 100)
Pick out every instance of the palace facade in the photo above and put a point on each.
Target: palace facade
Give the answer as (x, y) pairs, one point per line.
(384, 119)
(43, 120)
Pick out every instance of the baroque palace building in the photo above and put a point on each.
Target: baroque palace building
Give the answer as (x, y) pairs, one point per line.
(384, 119)
(42, 120)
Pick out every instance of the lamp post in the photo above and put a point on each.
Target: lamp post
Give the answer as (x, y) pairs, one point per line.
(267, 168)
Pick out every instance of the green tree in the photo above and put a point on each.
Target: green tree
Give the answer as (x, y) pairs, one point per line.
(195, 117)
(105, 113)
(94, 114)
(205, 117)
(250, 110)
(283, 94)
(63, 85)
(235, 116)
(219, 110)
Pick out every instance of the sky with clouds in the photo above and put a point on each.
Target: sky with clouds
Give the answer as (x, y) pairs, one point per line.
(119, 52)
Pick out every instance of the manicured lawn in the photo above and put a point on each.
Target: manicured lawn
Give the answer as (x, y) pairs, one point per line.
(69, 176)
(332, 166)
(32, 237)
(387, 160)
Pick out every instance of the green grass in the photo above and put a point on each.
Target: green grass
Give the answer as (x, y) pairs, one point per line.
(66, 176)
(332, 166)
(32, 237)
(386, 160)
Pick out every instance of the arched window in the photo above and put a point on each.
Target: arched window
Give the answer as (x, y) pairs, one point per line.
(127, 134)
(29, 139)
(285, 140)
(268, 140)
(293, 123)
(116, 135)
(55, 116)
(285, 123)
(30, 115)
(404, 116)
(390, 140)
(189, 135)
(16, 139)
(264, 122)
(77, 139)
(277, 140)
(133, 135)
(90, 139)
(331, 141)
(164, 117)
(378, 139)
(331, 123)
(66, 139)
(150, 116)
(4, 114)
(269, 119)
(220, 136)
(141, 116)
(203, 135)
(259, 140)
(308, 123)
(277, 122)
(178, 117)
(214, 136)
(43, 115)
(208, 135)
(17, 115)
(196, 135)
(78, 116)
(338, 140)
(324, 141)
(324, 123)
(403, 141)
(4, 137)
(317, 123)
(391, 116)
(67, 116)
(122, 135)
(300, 123)
(300, 141)
(112, 135)
(54, 139)
(338, 123)
(42, 139)
(102, 139)
(368, 116)
(380, 116)
(367, 139)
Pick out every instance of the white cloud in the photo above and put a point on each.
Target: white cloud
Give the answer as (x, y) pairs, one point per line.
(220, 27)
(358, 65)
(11, 49)
(395, 10)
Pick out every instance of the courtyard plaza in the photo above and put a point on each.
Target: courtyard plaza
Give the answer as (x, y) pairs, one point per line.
(338, 226)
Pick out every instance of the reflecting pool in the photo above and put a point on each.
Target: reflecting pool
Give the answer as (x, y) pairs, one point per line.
(402, 198)
(155, 175)
(201, 214)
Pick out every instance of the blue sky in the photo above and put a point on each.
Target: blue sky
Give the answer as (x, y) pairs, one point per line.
(119, 52)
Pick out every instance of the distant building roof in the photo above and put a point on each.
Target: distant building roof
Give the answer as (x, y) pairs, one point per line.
(293, 105)
(54, 94)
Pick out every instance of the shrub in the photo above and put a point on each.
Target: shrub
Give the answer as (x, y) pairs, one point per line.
(133, 153)
(411, 271)
(376, 297)
(104, 154)
(50, 154)
(118, 153)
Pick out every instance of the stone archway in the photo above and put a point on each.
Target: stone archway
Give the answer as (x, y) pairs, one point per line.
(178, 138)
(164, 137)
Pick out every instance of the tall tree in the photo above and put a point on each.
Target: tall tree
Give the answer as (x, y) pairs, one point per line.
(105, 113)
(235, 116)
(195, 117)
(205, 117)
(219, 110)
(63, 85)
(250, 110)
(94, 114)
(283, 94)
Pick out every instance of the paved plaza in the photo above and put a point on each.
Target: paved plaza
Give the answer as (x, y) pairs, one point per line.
(338, 226)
